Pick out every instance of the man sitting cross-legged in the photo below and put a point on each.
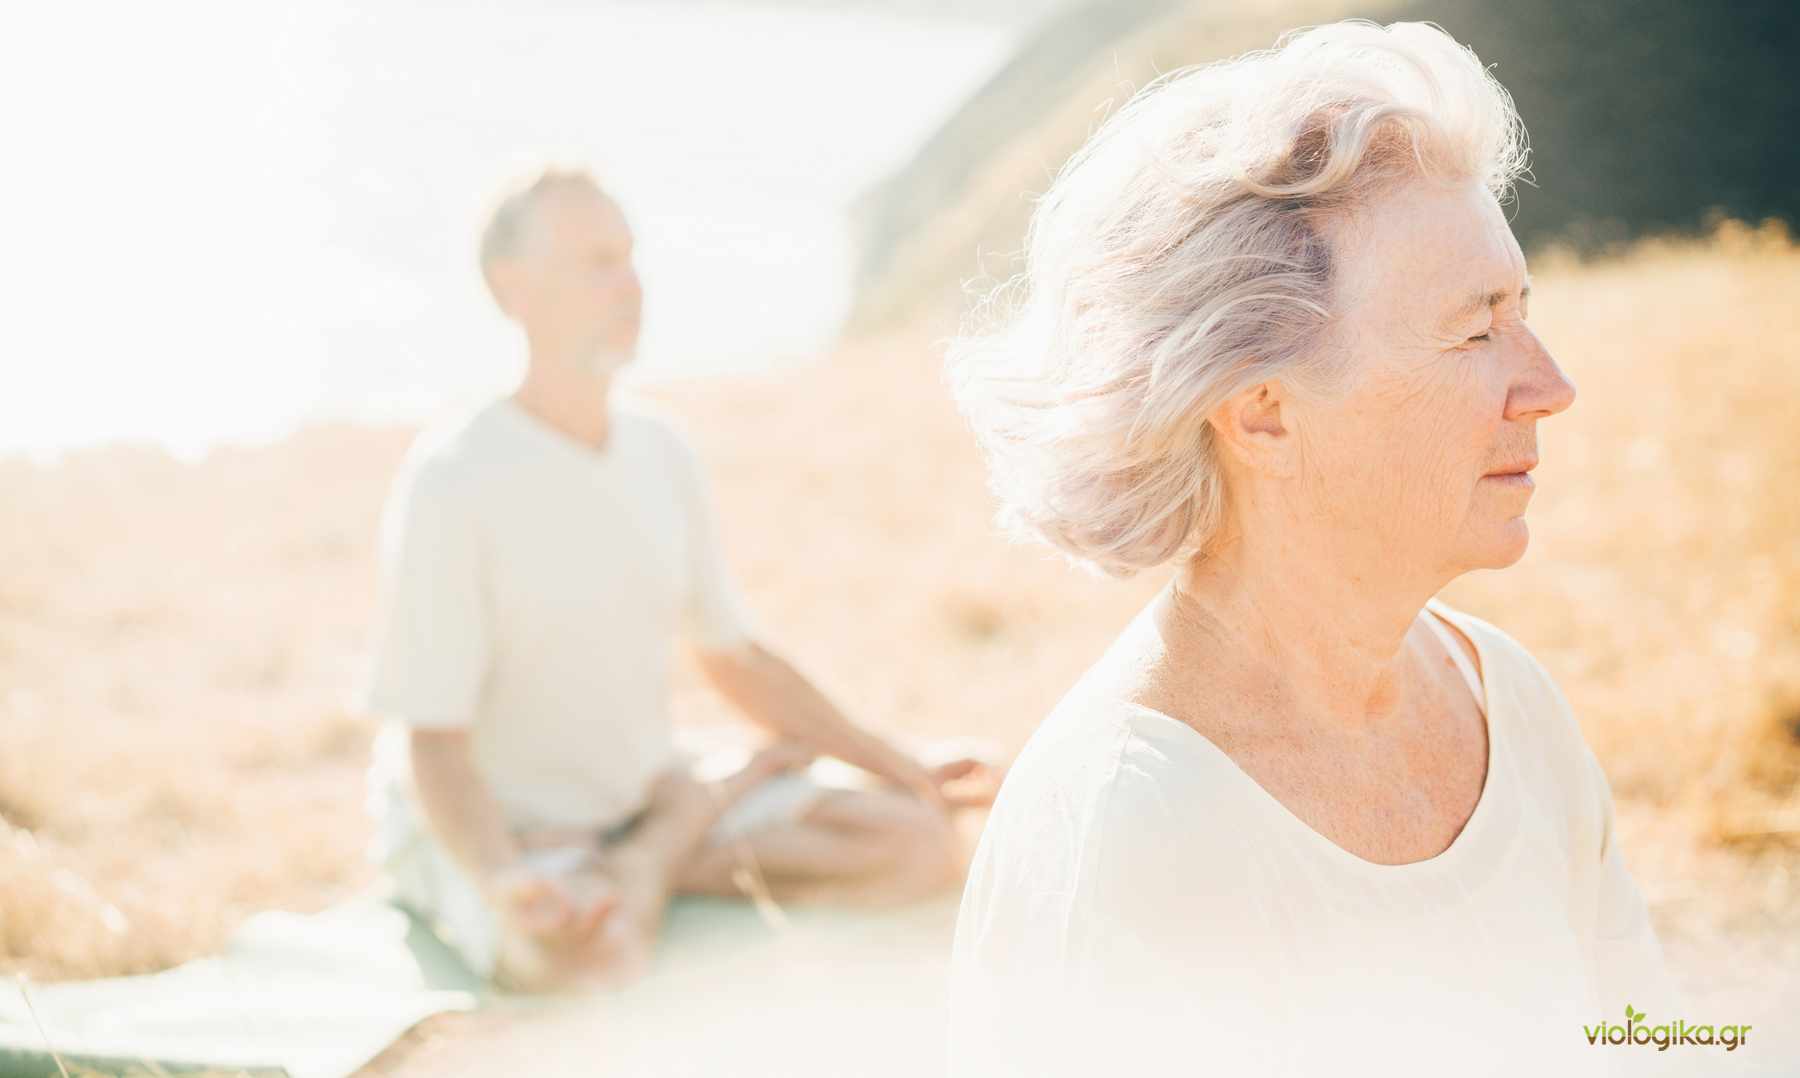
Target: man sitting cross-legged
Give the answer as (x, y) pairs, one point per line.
(540, 558)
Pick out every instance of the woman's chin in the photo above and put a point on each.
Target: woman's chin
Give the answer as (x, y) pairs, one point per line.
(1507, 545)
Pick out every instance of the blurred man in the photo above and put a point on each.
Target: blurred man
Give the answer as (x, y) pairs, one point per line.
(539, 560)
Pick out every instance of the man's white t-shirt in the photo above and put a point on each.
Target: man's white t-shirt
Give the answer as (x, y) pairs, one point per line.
(533, 589)
(1140, 904)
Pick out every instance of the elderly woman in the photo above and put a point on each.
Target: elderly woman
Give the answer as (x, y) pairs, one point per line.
(1302, 817)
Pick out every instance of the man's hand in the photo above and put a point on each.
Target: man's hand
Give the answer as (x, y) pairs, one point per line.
(922, 781)
(967, 781)
(954, 783)
(544, 906)
(774, 694)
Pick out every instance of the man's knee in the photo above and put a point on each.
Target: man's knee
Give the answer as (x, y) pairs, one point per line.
(929, 846)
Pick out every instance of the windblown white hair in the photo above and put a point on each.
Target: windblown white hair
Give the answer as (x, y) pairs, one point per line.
(1179, 258)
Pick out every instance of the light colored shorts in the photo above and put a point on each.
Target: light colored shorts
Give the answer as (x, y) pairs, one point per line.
(427, 881)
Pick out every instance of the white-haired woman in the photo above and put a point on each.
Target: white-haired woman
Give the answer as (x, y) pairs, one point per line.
(1302, 817)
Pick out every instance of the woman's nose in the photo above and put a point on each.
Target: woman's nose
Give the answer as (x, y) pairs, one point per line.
(1543, 389)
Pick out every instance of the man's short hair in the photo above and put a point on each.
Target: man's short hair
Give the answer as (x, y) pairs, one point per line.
(508, 229)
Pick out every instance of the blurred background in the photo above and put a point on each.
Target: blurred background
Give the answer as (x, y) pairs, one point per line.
(242, 274)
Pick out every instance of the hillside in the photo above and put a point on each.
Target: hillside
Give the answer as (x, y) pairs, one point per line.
(1644, 119)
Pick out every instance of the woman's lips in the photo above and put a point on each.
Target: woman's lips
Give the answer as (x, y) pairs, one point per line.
(1521, 480)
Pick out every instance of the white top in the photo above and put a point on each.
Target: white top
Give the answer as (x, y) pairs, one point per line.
(532, 591)
(1138, 901)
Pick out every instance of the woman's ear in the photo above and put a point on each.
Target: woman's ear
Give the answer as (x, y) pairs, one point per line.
(1254, 426)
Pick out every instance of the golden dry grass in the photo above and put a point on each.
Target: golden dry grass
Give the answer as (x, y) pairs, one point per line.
(176, 641)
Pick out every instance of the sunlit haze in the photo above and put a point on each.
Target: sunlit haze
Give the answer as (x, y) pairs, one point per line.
(241, 218)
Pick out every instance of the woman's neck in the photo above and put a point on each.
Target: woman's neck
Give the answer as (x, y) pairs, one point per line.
(1313, 642)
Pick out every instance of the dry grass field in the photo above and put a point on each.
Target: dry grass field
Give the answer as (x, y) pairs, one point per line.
(177, 641)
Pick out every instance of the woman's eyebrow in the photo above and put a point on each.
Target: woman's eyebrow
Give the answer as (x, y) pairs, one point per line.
(1481, 300)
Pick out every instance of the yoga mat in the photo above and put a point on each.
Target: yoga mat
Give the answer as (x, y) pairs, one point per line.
(732, 991)
(309, 996)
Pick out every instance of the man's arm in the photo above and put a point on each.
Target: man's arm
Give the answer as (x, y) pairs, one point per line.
(427, 671)
(460, 809)
(775, 695)
(770, 691)
(462, 812)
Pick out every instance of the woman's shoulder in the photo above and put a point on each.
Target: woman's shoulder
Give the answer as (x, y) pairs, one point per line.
(1516, 661)
(1507, 666)
(1108, 790)
(1117, 846)
(1524, 696)
(1118, 756)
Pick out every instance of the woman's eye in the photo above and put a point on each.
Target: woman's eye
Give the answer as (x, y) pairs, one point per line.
(1483, 337)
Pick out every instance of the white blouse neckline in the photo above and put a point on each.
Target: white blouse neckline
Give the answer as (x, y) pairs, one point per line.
(1485, 837)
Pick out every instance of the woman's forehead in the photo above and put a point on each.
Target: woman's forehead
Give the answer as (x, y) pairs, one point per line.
(1427, 257)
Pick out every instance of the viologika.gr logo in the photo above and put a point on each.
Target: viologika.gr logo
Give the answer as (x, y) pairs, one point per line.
(1637, 1031)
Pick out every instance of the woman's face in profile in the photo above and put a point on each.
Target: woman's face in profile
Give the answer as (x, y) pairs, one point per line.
(1446, 383)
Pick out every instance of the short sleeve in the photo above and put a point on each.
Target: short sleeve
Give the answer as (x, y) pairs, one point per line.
(1629, 965)
(715, 615)
(1607, 909)
(431, 641)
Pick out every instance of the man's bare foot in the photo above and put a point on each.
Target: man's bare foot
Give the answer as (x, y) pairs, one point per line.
(700, 801)
(776, 759)
(593, 925)
(685, 809)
